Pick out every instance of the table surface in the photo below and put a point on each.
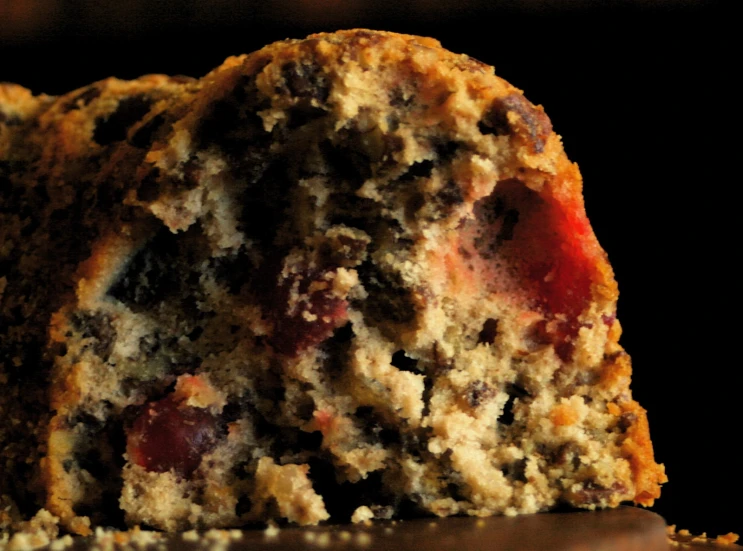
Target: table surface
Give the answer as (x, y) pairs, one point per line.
(622, 529)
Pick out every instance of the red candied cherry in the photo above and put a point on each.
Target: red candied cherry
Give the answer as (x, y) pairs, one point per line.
(168, 435)
(312, 320)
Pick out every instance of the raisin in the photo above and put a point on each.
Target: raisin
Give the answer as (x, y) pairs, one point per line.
(85, 421)
(344, 247)
(355, 212)
(347, 163)
(499, 216)
(265, 202)
(108, 195)
(472, 65)
(97, 326)
(82, 99)
(446, 151)
(450, 195)
(442, 364)
(114, 127)
(303, 113)
(478, 392)
(532, 123)
(151, 276)
(515, 471)
(182, 79)
(233, 271)
(92, 462)
(595, 494)
(195, 334)
(414, 204)
(568, 452)
(388, 298)
(398, 99)
(145, 134)
(150, 187)
(9, 120)
(489, 331)
(626, 420)
(170, 436)
(495, 121)
(305, 81)
(222, 120)
(376, 428)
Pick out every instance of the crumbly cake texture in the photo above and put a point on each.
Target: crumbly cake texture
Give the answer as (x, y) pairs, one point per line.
(348, 271)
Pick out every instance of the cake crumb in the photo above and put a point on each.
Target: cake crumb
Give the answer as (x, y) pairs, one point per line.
(727, 539)
(684, 538)
(362, 514)
(39, 531)
(61, 543)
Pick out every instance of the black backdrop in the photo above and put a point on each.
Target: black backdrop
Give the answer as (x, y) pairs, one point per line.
(642, 96)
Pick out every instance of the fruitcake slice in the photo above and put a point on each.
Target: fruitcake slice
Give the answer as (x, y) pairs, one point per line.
(348, 271)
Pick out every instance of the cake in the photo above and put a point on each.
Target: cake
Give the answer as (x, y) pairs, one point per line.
(349, 276)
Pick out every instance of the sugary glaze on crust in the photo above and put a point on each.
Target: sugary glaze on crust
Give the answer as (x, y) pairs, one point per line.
(351, 270)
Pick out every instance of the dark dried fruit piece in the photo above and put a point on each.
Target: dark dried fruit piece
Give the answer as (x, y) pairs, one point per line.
(305, 310)
(489, 331)
(98, 327)
(82, 99)
(9, 120)
(532, 123)
(145, 135)
(389, 300)
(171, 436)
(113, 128)
(595, 494)
(478, 392)
(305, 81)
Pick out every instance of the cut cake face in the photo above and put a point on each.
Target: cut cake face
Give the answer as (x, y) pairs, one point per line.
(352, 270)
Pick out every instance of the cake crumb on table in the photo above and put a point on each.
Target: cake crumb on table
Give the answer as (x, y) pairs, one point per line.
(685, 538)
(362, 514)
(727, 539)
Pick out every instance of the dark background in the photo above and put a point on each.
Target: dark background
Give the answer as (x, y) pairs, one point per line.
(640, 92)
